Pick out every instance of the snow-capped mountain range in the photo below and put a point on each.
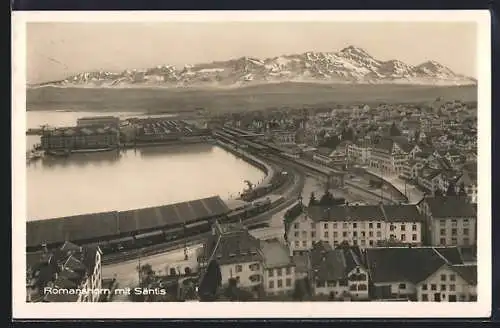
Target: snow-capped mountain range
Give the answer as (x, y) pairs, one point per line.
(349, 65)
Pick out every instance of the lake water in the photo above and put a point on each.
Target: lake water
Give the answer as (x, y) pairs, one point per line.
(84, 183)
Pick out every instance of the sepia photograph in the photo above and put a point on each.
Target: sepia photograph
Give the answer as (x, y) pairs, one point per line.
(287, 164)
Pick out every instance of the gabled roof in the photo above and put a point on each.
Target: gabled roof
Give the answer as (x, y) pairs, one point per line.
(328, 264)
(450, 206)
(467, 272)
(412, 264)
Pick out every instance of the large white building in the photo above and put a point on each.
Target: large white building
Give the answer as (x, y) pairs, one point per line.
(389, 155)
(359, 225)
(451, 220)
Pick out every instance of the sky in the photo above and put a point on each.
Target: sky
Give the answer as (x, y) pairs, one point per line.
(57, 50)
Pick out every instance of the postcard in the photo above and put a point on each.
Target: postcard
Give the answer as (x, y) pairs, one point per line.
(305, 164)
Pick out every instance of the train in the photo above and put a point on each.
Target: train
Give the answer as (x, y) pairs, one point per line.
(193, 229)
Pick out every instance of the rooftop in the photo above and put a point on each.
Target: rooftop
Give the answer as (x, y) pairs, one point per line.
(412, 264)
(275, 254)
(112, 224)
(450, 206)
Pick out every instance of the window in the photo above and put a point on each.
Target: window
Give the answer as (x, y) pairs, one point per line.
(288, 270)
(331, 283)
(288, 282)
(280, 272)
(326, 234)
(414, 237)
(465, 222)
(443, 287)
(379, 234)
(320, 284)
(271, 284)
(379, 225)
(355, 233)
(239, 268)
(344, 234)
(296, 225)
(452, 298)
(442, 232)
(280, 283)
(442, 223)
(313, 234)
(453, 277)
(353, 287)
(443, 277)
(453, 240)
(370, 225)
(304, 234)
(466, 231)
(297, 244)
(363, 234)
(402, 286)
(255, 267)
(403, 227)
(414, 227)
(442, 241)
(452, 288)
(433, 287)
(335, 225)
(304, 243)
(454, 232)
(403, 237)
(370, 233)
(312, 225)
(363, 242)
(335, 234)
(392, 228)
(325, 225)
(425, 297)
(362, 287)
(344, 225)
(270, 272)
(424, 287)
(371, 242)
(296, 234)
(354, 225)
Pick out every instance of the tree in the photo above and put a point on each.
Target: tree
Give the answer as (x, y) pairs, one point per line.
(451, 190)
(210, 282)
(461, 191)
(438, 192)
(312, 199)
(327, 199)
(394, 131)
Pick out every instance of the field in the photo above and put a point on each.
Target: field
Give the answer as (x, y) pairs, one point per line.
(253, 97)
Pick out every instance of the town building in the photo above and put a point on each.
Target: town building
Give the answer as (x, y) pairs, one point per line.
(421, 274)
(71, 267)
(389, 155)
(338, 273)
(358, 225)
(359, 152)
(450, 220)
(74, 138)
(255, 265)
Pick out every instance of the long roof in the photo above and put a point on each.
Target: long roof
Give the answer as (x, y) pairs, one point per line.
(395, 264)
(112, 224)
(450, 206)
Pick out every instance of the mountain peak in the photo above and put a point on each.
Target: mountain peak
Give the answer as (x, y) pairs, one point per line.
(350, 65)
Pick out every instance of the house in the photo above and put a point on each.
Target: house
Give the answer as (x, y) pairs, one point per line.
(450, 220)
(322, 156)
(451, 283)
(338, 273)
(403, 272)
(357, 225)
(283, 137)
(254, 264)
(468, 180)
(279, 269)
(71, 267)
(359, 152)
(389, 155)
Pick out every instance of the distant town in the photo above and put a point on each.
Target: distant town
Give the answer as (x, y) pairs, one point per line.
(395, 218)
